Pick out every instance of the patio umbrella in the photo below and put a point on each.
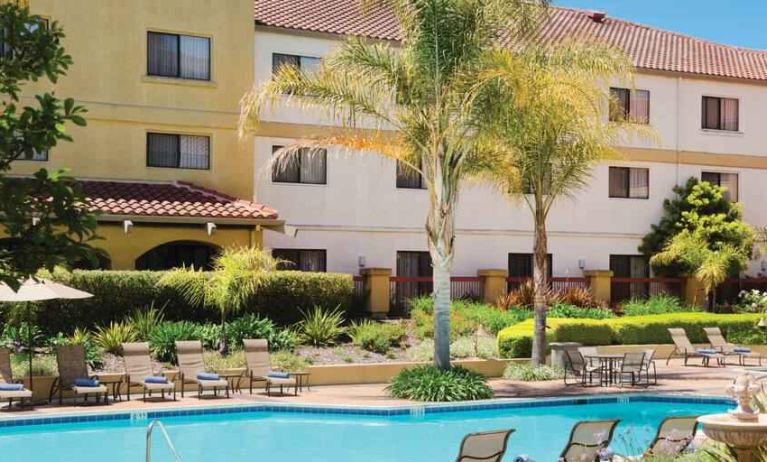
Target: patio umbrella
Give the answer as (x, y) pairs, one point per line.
(37, 290)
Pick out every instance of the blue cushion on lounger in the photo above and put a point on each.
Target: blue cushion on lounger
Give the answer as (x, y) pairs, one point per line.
(11, 387)
(707, 351)
(207, 376)
(92, 383)
(741, 350)
(523, 458)
(278, 375)
(155, 379)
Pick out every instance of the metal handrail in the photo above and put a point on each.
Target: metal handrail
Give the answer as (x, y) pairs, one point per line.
(150, 428)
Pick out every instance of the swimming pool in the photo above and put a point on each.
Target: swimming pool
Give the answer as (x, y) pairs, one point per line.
(318, 434)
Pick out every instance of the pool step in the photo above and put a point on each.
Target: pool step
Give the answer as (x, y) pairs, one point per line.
(157, 424)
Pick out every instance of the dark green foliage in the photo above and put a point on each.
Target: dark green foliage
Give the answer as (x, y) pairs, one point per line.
(321, 327)
(427, 383)
(377, 337)
(529, 373)
(63, 227)
(253, 326)
(465, 317)
(162, 340)
(657, 304)
(571, 311)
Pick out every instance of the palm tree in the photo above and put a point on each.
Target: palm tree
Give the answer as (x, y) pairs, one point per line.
(235, 277)
(414, 98)
(552, 131)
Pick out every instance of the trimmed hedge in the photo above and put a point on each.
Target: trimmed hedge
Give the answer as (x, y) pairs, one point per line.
(118, 293)
(516, 341)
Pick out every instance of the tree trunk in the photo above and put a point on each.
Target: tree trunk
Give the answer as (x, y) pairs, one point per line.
(223, 347)
(540, 288)
(441, 314)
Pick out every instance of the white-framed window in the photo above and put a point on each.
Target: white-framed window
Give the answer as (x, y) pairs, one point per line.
(630, 105)
(629, 182)
(178, 151)
(305, 166)
(178, 56)
(720, 114)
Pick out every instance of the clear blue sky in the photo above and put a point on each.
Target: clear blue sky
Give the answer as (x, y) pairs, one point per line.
(732, 22)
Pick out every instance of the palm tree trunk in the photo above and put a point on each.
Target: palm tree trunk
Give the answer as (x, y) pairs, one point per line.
(441, 278)
(540, 287)
(223, 346)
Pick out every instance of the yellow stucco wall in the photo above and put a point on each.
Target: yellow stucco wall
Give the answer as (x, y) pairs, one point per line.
(108, 42)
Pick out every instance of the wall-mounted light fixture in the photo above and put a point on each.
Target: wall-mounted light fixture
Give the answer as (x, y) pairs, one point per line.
(210, 228)
(127, 225)
(582, 263)
(361, 261)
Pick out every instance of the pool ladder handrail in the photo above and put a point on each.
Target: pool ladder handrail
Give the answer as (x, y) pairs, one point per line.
(166, 437)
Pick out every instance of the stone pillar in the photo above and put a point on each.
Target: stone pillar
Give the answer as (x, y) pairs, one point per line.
(599, 284)
(694, 292)
(376, 287)
(494, 284)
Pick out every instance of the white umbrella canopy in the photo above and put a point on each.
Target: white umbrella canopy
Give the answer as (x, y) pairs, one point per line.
(33, 290)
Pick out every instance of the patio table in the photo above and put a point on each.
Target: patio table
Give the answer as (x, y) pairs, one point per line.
(608, 363)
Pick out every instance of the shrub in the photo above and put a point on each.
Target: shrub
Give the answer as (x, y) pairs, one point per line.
(14, 337)
(376, 336)
(162, 340)
(42, 365)
(751, 301)
(476, 346)
(465, 317)
(521, 297)
(210, 335)
(427, 383)
(580, 297)
(145, 320)
(321, 327)
(422, 351)
(249, 326)
(111, 338)
(657, 304)
(529, 373)
(516, 341)
(93, 353)
(287, 361)
(572, 311)
(215, 361)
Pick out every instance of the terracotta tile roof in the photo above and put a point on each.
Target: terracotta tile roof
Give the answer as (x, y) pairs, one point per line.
(170, 200)
(649, 48)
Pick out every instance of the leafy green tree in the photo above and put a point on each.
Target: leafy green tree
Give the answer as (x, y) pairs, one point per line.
(702, 210)
(412, 102)
(45, 221)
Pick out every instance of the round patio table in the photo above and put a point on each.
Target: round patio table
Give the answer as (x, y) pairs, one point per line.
(608, 363)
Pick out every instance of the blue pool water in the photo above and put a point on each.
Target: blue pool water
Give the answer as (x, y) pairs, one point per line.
(273, 433)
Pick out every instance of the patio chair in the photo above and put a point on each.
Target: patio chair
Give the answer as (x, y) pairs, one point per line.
(587, 439)
(484, 446)
(588, 353)
(673, 436)
(259, 368)
(10, 389)
(191, 368)
(73, 375)
(719, 343)
(684, 349)
(649, 363)
(577, 367)
(632, 366)
(139, 371)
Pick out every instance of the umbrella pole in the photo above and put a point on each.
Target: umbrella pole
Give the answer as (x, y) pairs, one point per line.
(30, 347)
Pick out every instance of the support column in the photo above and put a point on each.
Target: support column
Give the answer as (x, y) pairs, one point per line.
(494, 284)
(376, 287)
(599, 282)
(694, 293)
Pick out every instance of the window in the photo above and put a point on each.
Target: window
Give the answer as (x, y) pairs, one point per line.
(407, 178)
(633, 267)
(720, 114)
(633, 183)
(729, 181)
(178, 151)
(301, 259)
(179, 56)
(414, 264)
(307, 166)
(303, 63)
(521, 265)
(631, 106)
(39, 156)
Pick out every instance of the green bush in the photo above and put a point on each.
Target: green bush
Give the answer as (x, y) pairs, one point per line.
(562, 310)
(254, 326)
(465, 317)
(529, 373)
(427, 383)
(210, 335)
(516, 341)
(145, 320)
(110, 338)
(657, 304)
(377, 337)
(287, 361)
(162, 340)
(475, 346)
(321, 327)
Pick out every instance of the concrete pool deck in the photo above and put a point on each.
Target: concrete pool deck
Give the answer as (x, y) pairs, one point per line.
(673, 379)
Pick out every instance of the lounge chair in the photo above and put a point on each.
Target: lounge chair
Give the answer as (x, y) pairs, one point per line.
(73, 375)
(684, 349)
(719, 343)
(674, 435)
(587, 439)
(649, 363)
(10, 389)
(191, 367)
(260, 368)
(138, 371)
(631, 366)
(577, 367)
(484, 446)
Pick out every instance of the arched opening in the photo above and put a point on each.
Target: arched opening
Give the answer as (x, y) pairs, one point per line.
(102, 262)
(177, 254)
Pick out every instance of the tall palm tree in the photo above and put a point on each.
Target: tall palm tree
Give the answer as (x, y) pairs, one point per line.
(414, 97)
(553, 133)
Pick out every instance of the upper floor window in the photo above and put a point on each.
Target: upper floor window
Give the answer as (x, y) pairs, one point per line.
(180, 56)
(630, 105)
(720, 114)
(40, 156)
(304, 63)
(177, 151)
(630, 183)
(301, 259)
(729, 181)
(408, 178)
(307, 165)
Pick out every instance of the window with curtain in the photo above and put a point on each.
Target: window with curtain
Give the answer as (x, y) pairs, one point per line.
(179, 56)
(720, 114)
(407, 178)
(304, 63)
(729, 181)
(178, 151)
(629, 182)
(306, 166)
(630, 105)
(310, 260)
